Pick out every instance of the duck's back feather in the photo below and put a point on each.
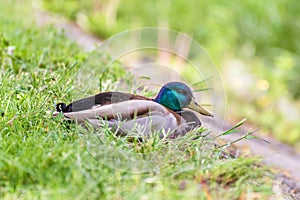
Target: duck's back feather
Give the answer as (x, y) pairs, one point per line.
(104, 98)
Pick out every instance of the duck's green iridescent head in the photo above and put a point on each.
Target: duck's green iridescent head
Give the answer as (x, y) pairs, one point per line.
(176, 96)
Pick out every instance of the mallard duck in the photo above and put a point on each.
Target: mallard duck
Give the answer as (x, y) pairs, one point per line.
(124, 112)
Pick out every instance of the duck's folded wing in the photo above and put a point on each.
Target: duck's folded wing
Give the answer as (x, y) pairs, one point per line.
(123, 110)
(142, 115)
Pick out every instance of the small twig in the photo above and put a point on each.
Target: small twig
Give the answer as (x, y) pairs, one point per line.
(10, 122)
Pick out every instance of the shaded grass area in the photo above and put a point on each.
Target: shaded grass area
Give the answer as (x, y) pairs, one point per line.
(42, 158)
(255, 44)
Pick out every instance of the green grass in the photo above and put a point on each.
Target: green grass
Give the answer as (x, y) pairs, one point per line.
(262, 38)
(41, 158)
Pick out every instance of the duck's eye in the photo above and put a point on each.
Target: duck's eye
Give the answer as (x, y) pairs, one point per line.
(181, 91)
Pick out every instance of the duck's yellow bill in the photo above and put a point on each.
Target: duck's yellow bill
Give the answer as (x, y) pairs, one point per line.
(196, 107)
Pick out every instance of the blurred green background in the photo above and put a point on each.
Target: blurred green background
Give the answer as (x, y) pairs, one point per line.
(254, 43)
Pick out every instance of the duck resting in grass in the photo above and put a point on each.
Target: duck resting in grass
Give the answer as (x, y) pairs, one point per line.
(127, 112)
